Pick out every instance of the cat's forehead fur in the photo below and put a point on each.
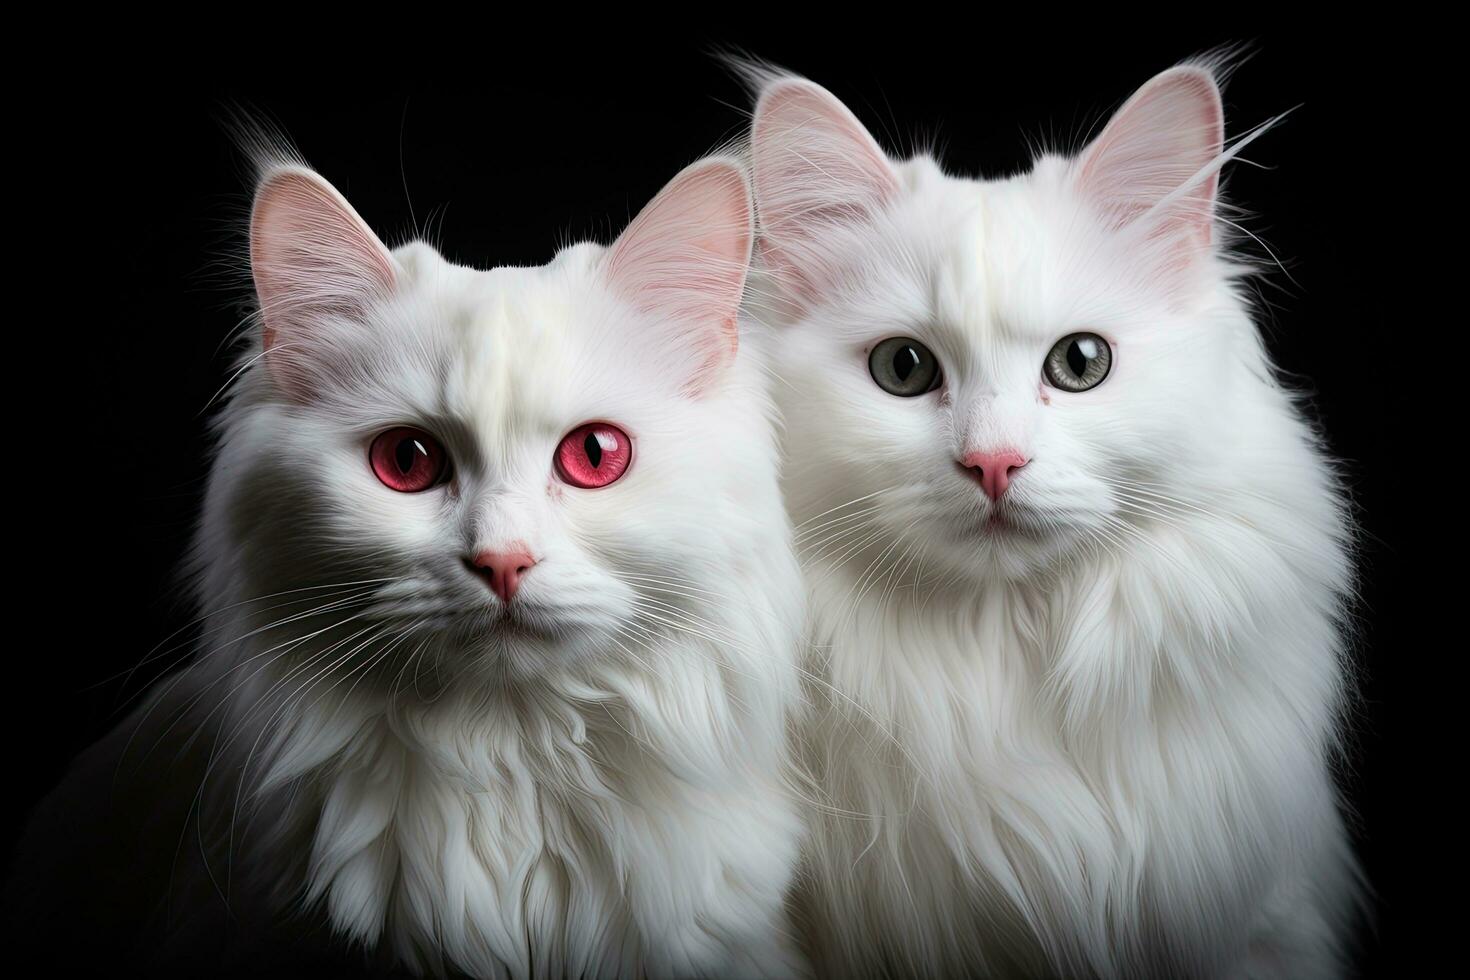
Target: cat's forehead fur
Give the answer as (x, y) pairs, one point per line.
(518, 321)
(508, 351)
(992, 266)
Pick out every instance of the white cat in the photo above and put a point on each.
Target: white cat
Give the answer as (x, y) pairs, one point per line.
(1077, 565)
(500, 623)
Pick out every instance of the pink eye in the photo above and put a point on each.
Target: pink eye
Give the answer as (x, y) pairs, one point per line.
(593, 455)
(408, 460)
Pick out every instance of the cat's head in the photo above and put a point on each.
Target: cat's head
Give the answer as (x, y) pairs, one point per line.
(988, 375)
(511, 468)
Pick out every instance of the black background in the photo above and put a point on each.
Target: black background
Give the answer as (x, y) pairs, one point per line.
(503, 148)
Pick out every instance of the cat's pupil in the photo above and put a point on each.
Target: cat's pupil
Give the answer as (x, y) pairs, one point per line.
(593, 448)
(904, 363)
(406, 453)
(1076, 359)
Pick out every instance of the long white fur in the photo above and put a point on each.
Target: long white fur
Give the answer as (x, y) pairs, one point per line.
(356, 740)
(1097, 744)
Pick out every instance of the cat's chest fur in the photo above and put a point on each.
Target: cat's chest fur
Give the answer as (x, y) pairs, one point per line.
(543, 840)
(1072, 777)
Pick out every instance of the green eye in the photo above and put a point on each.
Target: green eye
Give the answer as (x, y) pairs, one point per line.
(904, 367)
(1078, 362)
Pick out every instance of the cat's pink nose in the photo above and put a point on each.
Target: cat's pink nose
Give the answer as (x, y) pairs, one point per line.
(502, 570)
(993, 470)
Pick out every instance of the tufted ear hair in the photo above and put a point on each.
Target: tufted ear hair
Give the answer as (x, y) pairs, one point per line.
(313, 259)
(1156, 159)
(684, 259)
(815, 168)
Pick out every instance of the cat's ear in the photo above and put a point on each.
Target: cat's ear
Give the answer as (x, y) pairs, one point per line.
(816, 168)
(685, 256)
(313, 258)
(1157, 159)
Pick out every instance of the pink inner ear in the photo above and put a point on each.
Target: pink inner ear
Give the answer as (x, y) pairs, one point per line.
(311, 254)
(1154, 150)
(684, 257)
(816, 168)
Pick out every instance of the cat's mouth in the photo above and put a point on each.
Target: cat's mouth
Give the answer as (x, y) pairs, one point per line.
(501, 624)
(1000, 524)
(517, 619)
(1002, 521)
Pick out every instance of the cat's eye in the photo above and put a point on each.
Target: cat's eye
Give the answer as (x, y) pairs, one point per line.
(408, 460)
(902, 366)
(1078, 362)
(593, 455)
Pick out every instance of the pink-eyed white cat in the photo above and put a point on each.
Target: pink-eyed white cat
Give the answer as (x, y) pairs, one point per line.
(1077, 564)
(500, 618)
